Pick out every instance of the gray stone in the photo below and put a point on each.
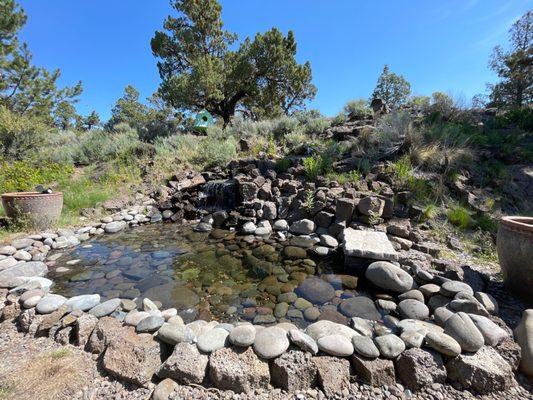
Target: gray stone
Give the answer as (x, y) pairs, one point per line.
(175, 333)
(212, 340)
(414, 294)
(361, 307)
(294, 371)
(22, 255)
(368, 244)
(83, 302)
(364, 346)
(25, 269)
(328, 241)
(281, 225)
(131, 357)
(414, 309)
(271, 342)
(524, 337)
(333, 375)
(7, 250)
(150, 324)
(316, 290)
(186, 365)
(485, 371)
(375, 372)
(389, 346)
(238, 369)
(443, 343)
(491, 332)
(115, 226)
(441, 315)
(412, 338)
(451, 288)
(105, 308)
(389, 277)
(324, 328)
(462, 329)
(50, 303)
(302, 227)
(303, 341)
(418, 368)
(489, 302)
(242, 335)
(22, 243)
(8, 262)
(134, 317)
(166, 387)
(336, 345)
(363, 326)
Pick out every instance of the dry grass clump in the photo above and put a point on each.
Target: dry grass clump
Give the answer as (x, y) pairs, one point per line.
(55, 375)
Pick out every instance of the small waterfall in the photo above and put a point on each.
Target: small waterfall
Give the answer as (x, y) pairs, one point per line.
(218, 194)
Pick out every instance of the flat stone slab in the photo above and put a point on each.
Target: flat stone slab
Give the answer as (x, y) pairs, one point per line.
(367, 244)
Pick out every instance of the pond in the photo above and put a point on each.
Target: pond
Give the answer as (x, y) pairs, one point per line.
(216, 275)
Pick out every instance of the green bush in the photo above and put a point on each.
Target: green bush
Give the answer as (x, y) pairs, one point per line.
(520, 117)
(317, 165)
(21, 137)
(20, 176)
(460, 217)
(282, 165)
(357, 109)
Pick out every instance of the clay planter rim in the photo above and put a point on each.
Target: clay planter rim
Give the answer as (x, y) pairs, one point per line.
(14, 195)
(524, 224)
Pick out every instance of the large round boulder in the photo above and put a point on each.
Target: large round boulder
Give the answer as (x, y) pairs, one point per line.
(389, 277)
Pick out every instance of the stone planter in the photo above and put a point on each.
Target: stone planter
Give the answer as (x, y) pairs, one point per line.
(37, 210)
(515, 252)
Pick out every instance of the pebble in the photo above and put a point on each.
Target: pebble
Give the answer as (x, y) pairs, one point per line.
(212, 340)
(365, 346)
(242, 335)
(105, 308)
(50, 303)
(150, 324)
(303, 341)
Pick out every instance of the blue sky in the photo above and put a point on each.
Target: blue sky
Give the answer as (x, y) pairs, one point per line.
(436, 45)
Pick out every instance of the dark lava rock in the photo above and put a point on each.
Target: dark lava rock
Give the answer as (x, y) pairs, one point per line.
(316, 290)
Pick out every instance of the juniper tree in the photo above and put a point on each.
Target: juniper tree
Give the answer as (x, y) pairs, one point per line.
(393, 89)
(200, 69)
(514, 66)
(25, 88)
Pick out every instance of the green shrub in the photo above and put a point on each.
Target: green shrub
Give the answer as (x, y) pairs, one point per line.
(486, 223)
(215, 150)
(401, 170)
(313, 167)
(282, 165)
(520, 117)
(19, 176)
(357, 109)
(21, 137)
(347, 177)
(460, 217)
(430, 212)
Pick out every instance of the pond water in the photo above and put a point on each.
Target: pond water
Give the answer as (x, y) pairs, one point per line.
(217, 275)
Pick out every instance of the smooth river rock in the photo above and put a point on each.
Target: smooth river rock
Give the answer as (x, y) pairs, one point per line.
(316, 290)
(336, 345)
(462, 329)
(83, 302)
(390, 346)
(389, 277)
(105, 308)
(242, 335)
(50, 303)
(271, 342)
(212, 340)
(414, 309)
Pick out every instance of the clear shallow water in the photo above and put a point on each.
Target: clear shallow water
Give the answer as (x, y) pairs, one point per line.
(217, 275)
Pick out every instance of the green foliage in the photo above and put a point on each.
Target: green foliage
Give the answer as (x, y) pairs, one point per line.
(460, 217)
(486, 223)
(25, 88)
(343, 178)
(520, 117)
(393, 89)
(21, 137)
(20, 176)
(309, 201)
(401, 170)
(282, 165)
(317, 165)
(357, 109)
(200, 68)
(430, 212)
(514, 66)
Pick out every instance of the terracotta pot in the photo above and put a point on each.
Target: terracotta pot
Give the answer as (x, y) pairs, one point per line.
(515, 251)
(37, 210)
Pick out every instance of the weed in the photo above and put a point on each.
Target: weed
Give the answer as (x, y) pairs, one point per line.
(60, 353)
(460, 217)
(430, 212)
(343, 178)
(282, 165)
(313, 167)
(309, 201)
